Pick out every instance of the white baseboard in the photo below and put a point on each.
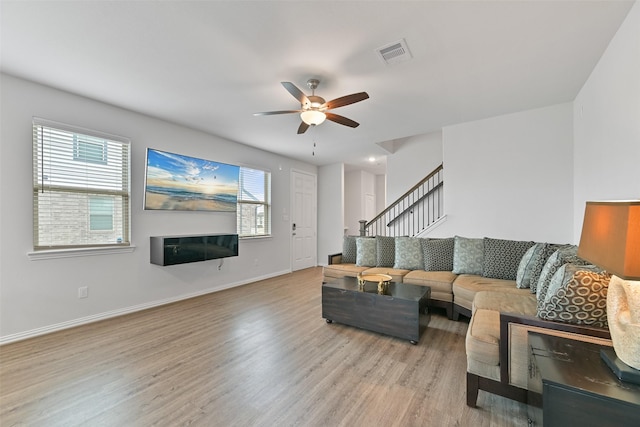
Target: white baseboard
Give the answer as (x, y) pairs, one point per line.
(127, 310)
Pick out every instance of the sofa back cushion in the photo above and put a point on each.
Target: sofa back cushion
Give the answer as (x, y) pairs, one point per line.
(468, 255)
(567, 254)
(385, 248)
(502, 257)
(528, 265)
(577, 294)
(539, 263)
(408, 255)
(438, 254)
(366, 252)
(349, 250)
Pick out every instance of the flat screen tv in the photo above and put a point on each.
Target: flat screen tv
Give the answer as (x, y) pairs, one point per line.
(177, 182)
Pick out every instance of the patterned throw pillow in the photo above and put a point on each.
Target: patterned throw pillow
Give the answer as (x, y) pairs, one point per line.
(565, 255)
(386, 248)
(365, 252)
(577, 294)
(349, 250)
(528, 264)
(468, 255)
(539, 263)
(408, 253)
(438, 254)
(502, 257)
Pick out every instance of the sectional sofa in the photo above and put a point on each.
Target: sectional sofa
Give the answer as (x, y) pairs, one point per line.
(506, 287)
(455, 268)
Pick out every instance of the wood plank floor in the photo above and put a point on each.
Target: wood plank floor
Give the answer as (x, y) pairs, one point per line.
(256, 355)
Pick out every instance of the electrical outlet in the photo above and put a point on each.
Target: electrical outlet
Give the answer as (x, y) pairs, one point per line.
(83, 292)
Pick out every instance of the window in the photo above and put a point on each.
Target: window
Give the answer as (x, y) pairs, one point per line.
(254, 203)
(81, 188)
(100, 214)
(87, 149)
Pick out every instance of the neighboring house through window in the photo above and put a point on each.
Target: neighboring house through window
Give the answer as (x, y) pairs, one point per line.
(90, 150)
(254, 203)
(101, 213)
(81, 187)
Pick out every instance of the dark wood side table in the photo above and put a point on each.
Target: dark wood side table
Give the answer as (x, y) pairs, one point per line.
(577, 387)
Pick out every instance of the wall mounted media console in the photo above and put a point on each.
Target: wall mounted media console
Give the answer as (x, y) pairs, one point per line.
(170, 250)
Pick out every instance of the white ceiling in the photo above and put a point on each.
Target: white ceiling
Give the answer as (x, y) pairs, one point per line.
(210, 65)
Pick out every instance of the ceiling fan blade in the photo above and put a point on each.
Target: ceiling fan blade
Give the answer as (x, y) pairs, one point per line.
(342, 120)
(303, 128)
(345, 100)
(297, 93)
(271, 113)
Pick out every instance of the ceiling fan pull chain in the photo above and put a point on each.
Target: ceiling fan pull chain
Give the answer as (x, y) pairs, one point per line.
(313, 152)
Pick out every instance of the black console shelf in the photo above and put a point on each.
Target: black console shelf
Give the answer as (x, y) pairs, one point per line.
(170, 250)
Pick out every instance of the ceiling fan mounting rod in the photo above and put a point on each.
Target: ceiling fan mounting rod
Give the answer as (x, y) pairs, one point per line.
(313, 102)
(313, 84)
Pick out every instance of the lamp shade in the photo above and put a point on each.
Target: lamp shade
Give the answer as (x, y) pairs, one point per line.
(611, 237)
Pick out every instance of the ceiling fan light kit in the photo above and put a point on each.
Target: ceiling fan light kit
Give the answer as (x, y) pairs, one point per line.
(313, 117)
(314, 109)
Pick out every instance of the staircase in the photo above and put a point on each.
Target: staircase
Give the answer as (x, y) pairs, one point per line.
(413, 212)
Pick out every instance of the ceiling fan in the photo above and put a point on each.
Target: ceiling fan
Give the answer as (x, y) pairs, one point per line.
(314, 109)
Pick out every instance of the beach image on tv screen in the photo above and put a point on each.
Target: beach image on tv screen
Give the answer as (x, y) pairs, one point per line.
(177, 182)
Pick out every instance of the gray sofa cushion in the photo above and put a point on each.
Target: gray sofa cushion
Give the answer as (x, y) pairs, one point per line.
(468, 255)
(539, 263)
(528, 265)
(438, 254)
(386, 248)
(502, 257)
(349, 250)
(565, 255)
(366, 252)
(577, 294)
(408, 254)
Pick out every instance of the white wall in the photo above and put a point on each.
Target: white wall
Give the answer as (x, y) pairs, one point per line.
(415, 157)
(352, 202)
(381, 193)
(510, 176)
(607, 124)
(357, 184)
(330, 210)
(37, 296)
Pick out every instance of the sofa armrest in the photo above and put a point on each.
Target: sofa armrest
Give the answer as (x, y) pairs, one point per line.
(514, 347)
(335, 259)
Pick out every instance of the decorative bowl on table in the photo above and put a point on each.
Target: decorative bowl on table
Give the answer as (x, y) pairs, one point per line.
(381, 279)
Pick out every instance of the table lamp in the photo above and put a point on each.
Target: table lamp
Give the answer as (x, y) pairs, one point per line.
(611, 240)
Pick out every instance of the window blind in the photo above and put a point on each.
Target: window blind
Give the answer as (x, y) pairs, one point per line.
(81, 187)
(254, 199)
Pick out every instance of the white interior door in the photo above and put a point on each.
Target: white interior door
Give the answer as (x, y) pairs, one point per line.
(303, 220)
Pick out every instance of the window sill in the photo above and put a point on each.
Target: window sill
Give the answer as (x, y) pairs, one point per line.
(268, 236)
(71, 253)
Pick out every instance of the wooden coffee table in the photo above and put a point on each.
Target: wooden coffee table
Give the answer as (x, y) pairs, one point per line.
(396, 313)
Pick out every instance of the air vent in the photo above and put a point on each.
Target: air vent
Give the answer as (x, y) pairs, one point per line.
(394, 53)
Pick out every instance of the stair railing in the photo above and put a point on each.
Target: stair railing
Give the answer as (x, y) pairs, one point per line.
(412, 212)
